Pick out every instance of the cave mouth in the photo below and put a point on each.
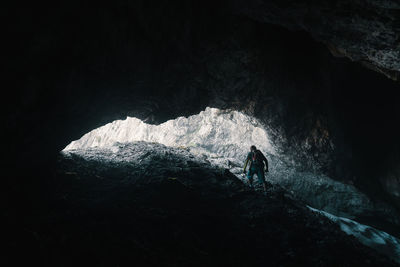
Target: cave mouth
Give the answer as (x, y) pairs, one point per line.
(223, 137)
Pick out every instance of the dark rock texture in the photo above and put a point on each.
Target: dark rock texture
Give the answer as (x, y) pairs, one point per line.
(76, 66)
(168, 209)
(366, 31)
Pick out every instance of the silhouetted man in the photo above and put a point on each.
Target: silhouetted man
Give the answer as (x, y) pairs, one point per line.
(257, 159)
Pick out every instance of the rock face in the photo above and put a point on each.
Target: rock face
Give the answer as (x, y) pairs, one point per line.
(225, 133)
(365, 31)
(146, 204)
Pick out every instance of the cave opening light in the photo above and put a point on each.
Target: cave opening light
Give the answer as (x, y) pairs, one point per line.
(223, 136)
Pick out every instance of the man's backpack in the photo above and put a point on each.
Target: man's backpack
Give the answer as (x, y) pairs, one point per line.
(257, 158)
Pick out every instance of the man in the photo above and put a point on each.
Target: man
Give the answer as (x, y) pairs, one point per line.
(257, 159)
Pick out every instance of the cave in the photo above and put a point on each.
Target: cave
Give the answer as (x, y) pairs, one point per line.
(313, 84)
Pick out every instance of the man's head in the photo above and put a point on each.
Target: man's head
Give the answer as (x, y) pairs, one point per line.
(253, 148)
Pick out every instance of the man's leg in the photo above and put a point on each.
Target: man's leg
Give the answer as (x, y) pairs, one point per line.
(250, 175)
(265, 186)
(261, 178)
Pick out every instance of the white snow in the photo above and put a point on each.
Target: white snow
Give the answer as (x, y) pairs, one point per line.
(367, 235)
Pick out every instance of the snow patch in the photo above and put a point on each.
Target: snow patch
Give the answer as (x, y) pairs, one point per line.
(367, 235)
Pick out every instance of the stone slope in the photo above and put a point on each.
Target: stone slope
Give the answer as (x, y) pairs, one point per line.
(223, 138)
(170, 208)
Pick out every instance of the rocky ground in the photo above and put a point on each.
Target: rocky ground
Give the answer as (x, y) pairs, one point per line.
(166, 207)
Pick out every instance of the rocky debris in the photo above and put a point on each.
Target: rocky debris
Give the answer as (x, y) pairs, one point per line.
(167, 207)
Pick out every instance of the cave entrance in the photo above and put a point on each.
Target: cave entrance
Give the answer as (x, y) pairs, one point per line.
(221, 136)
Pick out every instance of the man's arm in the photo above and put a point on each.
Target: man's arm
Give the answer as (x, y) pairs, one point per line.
(266, 163)
(245, 165)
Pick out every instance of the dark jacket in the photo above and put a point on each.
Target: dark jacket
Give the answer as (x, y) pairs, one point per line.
(256, 159)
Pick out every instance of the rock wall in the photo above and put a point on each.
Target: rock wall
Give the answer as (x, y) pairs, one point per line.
(365, 31)
(76, 67)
